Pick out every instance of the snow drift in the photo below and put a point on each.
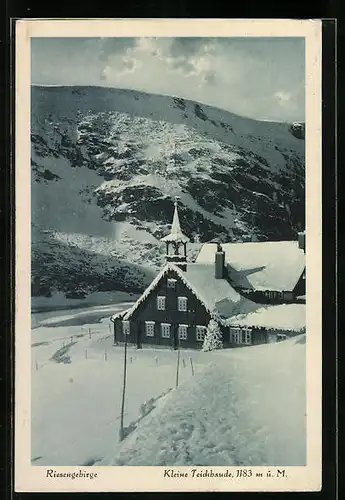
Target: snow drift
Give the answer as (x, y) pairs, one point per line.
(247, 407)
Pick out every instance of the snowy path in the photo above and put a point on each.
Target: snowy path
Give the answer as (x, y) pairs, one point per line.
(247, 408)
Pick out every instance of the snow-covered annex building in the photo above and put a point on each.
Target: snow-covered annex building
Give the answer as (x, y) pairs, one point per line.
(251, 289)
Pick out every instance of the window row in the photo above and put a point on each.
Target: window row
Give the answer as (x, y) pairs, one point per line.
(165, 329)
(181, 303)
(271, 294)
(241, 335)
(237, 335)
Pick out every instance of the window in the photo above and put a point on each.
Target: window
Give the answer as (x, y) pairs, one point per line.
(182, 303)
(171, 283)
(235, 335)
(241, 335)
(165, 330)
(150, 328)
(182, 332)
(161, 303)
(246, 336)
(126, 329)
(200, 333)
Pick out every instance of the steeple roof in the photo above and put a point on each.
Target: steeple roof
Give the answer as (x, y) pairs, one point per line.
(176, 232)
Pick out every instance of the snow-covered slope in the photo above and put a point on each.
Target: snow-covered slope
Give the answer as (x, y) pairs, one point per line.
(106, 164)
(246, 408)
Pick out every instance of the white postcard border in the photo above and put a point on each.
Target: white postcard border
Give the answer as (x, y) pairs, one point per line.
(112, 479)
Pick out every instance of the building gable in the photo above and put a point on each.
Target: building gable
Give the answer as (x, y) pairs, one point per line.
(146, 306)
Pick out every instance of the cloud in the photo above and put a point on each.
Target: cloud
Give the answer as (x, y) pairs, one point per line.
(257, 77)
(186, 58)
(108, 47)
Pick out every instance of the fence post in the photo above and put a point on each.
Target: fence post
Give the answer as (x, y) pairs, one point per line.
(178, 361)
(105, 355)
(36, 364)
(89, 333)
(191, 365)
(122, 430)
(85, 353)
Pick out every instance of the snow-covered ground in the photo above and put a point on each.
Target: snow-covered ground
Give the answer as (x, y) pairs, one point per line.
(76, 395)
(243, 406)
(246, 408)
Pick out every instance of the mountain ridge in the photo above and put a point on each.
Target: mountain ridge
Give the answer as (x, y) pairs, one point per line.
(108, 162)
(173, 96)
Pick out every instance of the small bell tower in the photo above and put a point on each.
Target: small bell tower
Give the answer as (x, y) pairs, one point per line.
(176, 242)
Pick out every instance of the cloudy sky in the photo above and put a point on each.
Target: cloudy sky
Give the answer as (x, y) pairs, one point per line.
(261, 78)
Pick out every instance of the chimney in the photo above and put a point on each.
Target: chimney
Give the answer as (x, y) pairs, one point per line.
(301, 240)
(219, 263)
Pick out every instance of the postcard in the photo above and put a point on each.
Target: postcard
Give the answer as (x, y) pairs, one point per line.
(168, 255)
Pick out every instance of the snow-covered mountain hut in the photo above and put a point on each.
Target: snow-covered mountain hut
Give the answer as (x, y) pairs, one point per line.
(177, 306)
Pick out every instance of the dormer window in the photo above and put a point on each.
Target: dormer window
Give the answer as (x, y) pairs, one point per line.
(161, 303)
(182, 303)
(171, 283)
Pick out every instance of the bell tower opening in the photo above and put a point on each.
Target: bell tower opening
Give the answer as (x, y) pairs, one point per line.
(176, 242)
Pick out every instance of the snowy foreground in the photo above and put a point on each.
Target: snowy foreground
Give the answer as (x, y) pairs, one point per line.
(242, 406)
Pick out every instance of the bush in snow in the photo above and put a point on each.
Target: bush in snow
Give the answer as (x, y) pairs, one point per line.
(213, 337)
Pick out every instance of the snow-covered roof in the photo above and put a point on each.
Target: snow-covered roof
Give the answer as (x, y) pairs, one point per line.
(217, 295)
(176, 232)
(273, 265)
(118, 315)
(282, 316)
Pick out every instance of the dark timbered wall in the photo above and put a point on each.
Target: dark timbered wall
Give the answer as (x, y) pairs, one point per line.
(270, 297)
(196, 314)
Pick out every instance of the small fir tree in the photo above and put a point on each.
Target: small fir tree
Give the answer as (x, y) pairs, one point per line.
(213, 337)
